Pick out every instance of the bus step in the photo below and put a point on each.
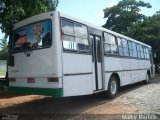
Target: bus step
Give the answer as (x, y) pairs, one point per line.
(98, 91)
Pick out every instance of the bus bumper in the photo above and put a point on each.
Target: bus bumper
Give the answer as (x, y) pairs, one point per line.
(54, 92)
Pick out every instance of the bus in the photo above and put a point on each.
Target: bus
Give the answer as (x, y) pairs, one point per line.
(58, 55)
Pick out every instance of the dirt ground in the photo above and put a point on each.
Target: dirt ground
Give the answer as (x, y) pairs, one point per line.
(131, 102)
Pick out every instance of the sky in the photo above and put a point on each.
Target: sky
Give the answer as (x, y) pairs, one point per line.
(92, 10)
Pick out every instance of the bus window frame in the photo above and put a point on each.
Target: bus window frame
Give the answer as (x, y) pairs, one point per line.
(123, 56)
(104, 43)
(75, 51)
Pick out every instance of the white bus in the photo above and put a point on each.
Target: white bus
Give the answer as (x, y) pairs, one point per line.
(57, 55)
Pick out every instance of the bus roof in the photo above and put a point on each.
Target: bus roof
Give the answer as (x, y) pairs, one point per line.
(32, 19)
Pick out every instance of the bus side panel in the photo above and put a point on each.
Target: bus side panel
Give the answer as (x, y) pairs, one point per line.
(141, 71)
(134, 70)
(77, 71)
(129, 70)
(77, 85)
(125, 71)
(112, 64)
(116, 65)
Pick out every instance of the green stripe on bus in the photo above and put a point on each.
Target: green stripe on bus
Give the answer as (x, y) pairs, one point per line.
(55, 92)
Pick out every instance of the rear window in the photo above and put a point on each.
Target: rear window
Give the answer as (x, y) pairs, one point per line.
(32, 36)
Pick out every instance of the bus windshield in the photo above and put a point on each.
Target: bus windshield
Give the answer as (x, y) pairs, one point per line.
(32, 36)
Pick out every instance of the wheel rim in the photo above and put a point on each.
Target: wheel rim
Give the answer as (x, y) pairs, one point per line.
(113, 87)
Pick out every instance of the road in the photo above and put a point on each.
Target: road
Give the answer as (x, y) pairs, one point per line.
(137, 99)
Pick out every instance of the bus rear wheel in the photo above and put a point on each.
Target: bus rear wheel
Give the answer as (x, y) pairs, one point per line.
(112, 87)
(147, 79)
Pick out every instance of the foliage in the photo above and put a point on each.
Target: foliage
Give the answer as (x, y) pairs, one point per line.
(17, 10)
(20, 9)
(148, 31)
(3, 50)
(2, 73)
(123, 15)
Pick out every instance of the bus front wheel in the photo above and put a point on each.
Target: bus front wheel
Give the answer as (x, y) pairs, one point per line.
(112, 87)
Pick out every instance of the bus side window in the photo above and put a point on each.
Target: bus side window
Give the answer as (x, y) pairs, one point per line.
(147, 53)
(120, 46)
(142, 51)
(130, 48)
(134, 49)
(68, 35)
(107, 45)
(67, 27)
(138, 51)
(110, 44)
(69, 42)
(125, 47)
(75, 36)
(81, 37)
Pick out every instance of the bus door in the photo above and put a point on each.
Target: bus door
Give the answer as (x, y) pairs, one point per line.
(96, 62)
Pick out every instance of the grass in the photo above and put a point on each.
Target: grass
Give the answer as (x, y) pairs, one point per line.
(2, 73)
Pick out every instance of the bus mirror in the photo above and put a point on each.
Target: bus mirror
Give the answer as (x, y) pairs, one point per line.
(11, 60)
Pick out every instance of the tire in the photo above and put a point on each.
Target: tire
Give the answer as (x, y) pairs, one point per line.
(112, 87)
(147, 79)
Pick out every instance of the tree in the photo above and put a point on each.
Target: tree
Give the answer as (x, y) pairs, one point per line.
(17, 10)
(3, 50)
(123, 15)
(20, 9)
(148, 31)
